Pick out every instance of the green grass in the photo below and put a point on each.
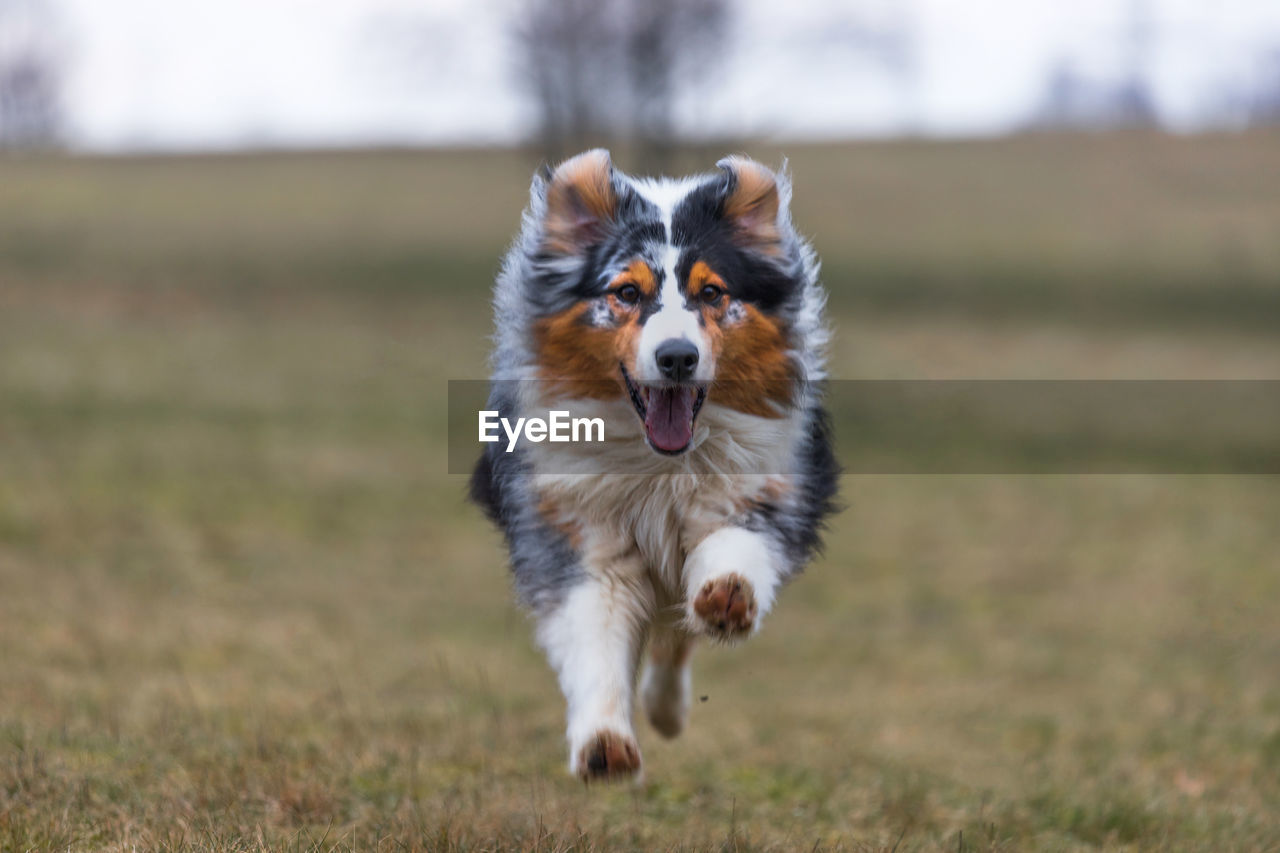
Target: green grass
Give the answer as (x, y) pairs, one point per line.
(243, 607)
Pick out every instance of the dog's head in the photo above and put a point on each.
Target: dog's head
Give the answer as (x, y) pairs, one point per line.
(671, 294)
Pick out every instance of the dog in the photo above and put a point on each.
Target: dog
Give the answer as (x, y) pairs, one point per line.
(687, 314)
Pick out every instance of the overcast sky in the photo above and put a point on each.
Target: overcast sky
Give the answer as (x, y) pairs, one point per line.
(206, 74)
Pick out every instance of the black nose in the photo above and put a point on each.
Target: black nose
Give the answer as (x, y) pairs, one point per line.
(677, 358)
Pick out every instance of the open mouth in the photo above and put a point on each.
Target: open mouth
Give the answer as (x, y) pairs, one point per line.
(668, 411)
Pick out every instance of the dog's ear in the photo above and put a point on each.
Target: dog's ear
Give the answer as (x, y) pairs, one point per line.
(751, 204)
(581, 202)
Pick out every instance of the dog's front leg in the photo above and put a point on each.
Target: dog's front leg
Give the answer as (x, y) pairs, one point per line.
(730, 579)
(593, 639)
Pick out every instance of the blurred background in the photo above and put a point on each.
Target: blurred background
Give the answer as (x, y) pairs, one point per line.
(244, 246)
(145, 75)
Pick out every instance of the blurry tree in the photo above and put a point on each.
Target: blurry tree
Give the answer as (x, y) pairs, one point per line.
(1265, 106)
(667, 42)
(1134, 103)
(1073, 98)
(601, 69)
(878, 38)
(30, 75)
(563, 49)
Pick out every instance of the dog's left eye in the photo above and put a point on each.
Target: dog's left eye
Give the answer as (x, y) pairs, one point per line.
(711, 295)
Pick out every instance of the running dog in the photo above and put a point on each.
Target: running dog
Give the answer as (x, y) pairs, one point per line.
(687, 314)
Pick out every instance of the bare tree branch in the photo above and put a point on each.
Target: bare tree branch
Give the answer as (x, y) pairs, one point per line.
(607, 69)
(30, 75)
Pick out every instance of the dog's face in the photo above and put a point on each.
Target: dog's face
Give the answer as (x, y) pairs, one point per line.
(671, 294)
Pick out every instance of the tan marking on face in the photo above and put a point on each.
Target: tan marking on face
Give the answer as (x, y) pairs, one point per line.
(750, 357)
(639, 274)
(713, 316)
(582, 360)
(753, 368)
(699, 277)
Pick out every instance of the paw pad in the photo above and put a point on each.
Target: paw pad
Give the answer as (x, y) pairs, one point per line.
(608, 756)
(727, 606)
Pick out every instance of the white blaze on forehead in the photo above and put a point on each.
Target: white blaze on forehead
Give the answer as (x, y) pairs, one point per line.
(666, 194)
(674, 319)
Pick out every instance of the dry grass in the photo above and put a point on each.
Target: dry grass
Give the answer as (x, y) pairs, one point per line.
(242, 607)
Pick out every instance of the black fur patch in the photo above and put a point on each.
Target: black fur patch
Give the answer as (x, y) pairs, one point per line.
(700, 229)
(558, 286)
(798, 521)
(484, 489)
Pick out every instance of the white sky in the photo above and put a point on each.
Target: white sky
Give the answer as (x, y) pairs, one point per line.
(226, 73)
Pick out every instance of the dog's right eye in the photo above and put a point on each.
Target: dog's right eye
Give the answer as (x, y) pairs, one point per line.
(628, 294)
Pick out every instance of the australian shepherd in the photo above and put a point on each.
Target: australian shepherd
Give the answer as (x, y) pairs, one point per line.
(688, 315)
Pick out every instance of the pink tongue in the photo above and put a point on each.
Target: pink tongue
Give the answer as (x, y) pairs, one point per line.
(669, 417)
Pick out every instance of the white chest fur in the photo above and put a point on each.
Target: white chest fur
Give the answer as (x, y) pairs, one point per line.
(618, 497)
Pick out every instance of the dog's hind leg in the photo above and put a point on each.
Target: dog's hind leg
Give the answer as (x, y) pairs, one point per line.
(666, 685)
(593, 639)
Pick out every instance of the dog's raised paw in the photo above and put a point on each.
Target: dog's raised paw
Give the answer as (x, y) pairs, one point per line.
(608, 756)
(726, 606)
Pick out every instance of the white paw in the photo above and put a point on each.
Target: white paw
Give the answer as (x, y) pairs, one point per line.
(725, 607)
(605, 755)
(730, 580)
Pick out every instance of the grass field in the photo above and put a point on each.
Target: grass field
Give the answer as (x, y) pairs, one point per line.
(243, 607)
